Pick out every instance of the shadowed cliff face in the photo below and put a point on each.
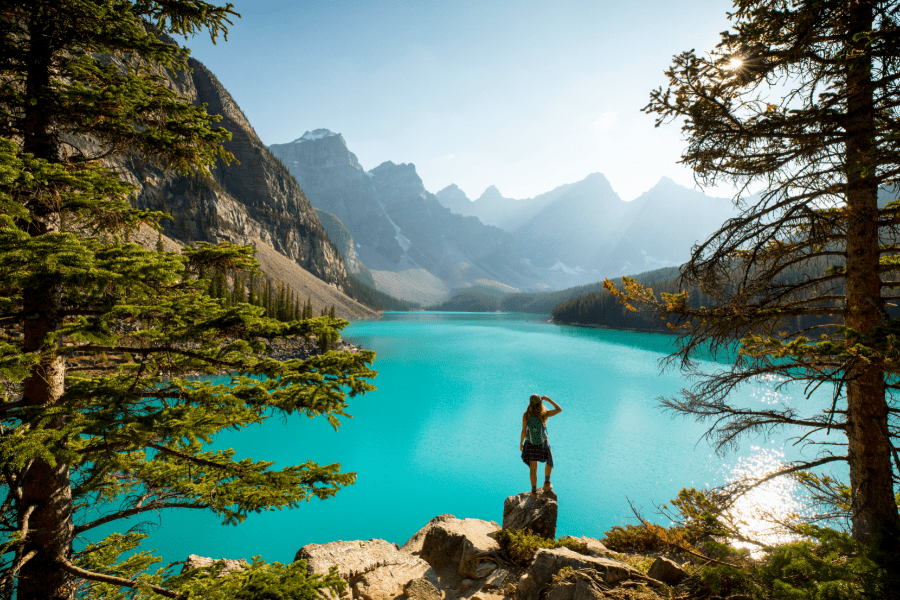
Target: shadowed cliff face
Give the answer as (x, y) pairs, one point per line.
(336, 183)
(253, 197)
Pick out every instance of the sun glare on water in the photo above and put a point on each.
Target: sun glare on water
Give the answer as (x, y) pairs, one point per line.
(757, 513)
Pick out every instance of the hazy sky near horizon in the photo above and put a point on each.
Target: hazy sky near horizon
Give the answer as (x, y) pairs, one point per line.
(524, 95)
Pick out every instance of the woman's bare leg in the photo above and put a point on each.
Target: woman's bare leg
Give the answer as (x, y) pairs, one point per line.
(547, 470)
(533, 466)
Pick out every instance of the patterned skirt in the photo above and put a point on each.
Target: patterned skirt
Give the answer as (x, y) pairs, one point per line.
(539, 453)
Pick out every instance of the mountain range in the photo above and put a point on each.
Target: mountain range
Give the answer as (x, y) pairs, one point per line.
(421, 246)
(317, 217)
(582, 232)
(414, 247)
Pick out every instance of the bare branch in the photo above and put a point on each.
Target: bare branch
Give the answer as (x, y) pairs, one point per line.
(124, 514)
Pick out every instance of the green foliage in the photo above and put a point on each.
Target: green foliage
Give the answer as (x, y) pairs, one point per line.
(521, 545)
(825, 565)
(101, 341)
(257, 580)
(821, 564)
(820, 171)
(260, 581)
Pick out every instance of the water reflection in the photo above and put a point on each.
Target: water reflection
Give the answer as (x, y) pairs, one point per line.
(761, 512)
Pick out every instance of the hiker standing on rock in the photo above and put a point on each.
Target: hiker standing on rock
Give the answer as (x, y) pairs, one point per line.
(533, 444)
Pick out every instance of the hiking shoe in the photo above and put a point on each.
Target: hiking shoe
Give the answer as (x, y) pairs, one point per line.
(547, 487)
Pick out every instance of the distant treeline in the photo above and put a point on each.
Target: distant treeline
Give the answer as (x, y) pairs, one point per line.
(604, 310)
(280, 301)
(600, 308)
(485, 299)
(594, 306)
(276, 297)
(376, 300)
(545, 302)
(475, 299)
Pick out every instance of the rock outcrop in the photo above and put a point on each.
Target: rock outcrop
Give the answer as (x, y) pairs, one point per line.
(463, 543)
(535, 514)
(227, 565)
(421, 589)
(667, 571)
(459, 559)
(375, 569)
(548, 563)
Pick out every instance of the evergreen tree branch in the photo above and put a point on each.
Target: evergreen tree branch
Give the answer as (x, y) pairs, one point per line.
(235, 468)
(69, 567)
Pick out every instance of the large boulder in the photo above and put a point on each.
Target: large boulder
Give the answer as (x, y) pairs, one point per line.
(448, 541)
(375, 569)
(226, 564)
(535, 514)
(421, 589)
(666, 570)
(549, 562)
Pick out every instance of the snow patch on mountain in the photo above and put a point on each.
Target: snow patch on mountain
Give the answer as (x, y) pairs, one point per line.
(561, 266)
(316, 134)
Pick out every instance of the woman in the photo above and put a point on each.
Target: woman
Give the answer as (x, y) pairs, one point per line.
(533, 444)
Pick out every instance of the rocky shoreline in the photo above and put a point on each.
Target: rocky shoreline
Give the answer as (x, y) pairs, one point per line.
(462, 559)
(298, 348)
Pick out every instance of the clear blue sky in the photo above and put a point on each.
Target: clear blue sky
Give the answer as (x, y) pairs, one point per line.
(524, 95)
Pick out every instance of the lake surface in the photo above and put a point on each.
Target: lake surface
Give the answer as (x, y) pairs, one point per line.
(441, 435)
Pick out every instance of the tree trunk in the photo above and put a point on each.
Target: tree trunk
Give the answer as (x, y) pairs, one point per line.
(874, 515)
(45, 487)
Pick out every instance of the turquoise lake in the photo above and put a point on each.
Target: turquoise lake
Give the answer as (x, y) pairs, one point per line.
(441, 434)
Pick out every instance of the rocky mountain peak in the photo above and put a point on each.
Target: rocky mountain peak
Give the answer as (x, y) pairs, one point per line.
(316, 134)
(596, 183)
(666, 184)
(455, 199)
(454, 190)
(398, 177)
(320, 147)
(491, 194)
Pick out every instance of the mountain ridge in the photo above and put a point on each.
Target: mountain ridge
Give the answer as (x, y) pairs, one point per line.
(410, 242)
(581, 232)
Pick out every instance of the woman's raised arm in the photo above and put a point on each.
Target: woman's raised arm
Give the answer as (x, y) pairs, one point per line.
(556, 408)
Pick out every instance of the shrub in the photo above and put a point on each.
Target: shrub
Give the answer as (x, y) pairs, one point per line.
(650, 538)
(827, 565)
(522, 545)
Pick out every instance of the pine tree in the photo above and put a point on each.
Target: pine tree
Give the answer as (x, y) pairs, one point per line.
(98, 335)
(282, 302)
(331, 312)
(801, 98)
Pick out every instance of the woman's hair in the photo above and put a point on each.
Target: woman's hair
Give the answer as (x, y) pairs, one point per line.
(536, 408)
